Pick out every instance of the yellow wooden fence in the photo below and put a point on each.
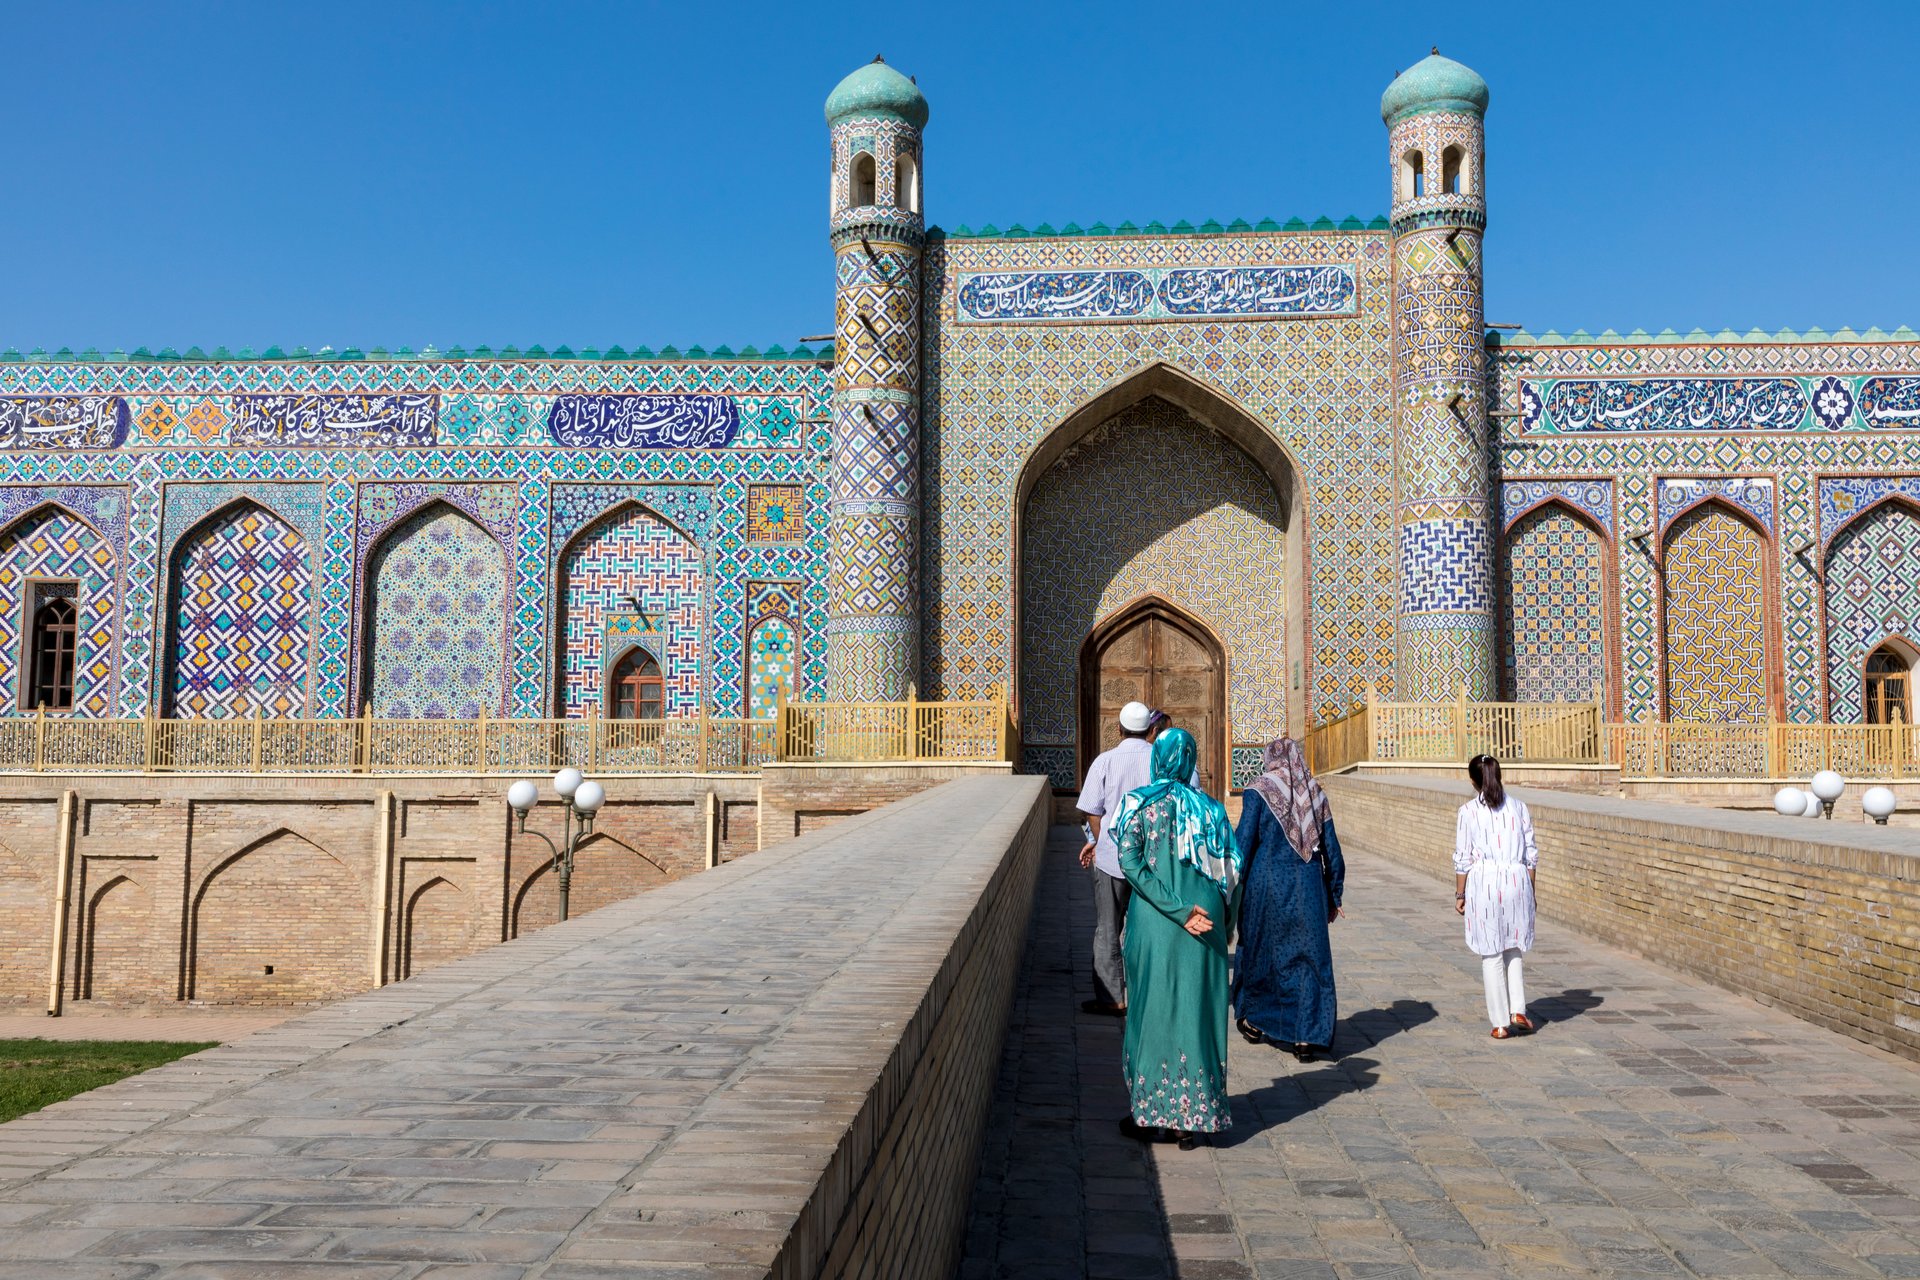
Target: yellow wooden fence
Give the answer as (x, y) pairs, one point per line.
(818, 732)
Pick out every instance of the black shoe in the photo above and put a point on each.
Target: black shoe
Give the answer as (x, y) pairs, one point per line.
(1248, 1032)
(1303, 1053)
(1102, 1009)
(1129, 1128)
(1189, 1141)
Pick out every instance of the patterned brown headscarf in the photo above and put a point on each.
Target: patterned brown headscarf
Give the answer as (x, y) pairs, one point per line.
(1297, 801)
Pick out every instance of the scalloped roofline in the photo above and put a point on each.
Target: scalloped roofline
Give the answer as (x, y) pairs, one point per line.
(1698, 337)
(429, 354)
(1239, 226)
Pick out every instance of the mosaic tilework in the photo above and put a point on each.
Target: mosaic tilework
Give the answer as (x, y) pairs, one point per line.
(242, 618)
(770, 648)
(1844, 499)
(1320, 386)
(632, 556)
(1820, 402)
(1445, 636)
(1716, 623)
(1207, 543)
(63, 422)
(1675, 498)
(1872, 572)
(1593, 497)
(1797, 461)
(776, 512)
(438, 597)
(1553, 628)
(1154, 293)
(53, 542)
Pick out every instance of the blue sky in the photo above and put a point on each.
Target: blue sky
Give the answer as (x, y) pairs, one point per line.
(404, 173)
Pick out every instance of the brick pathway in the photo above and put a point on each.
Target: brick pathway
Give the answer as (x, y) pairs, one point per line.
(1655, 1127)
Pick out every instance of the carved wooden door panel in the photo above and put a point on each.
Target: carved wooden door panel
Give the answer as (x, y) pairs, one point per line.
(1153, 656)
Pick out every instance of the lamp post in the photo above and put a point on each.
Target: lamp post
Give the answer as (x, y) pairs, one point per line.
(1788, 802)
(1810, 804)
(585, 797)
(1879, 803)
(1828, 785)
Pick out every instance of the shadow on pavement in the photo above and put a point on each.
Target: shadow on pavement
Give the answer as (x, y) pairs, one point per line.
(1294, 1095)
(1565, 1006)
(1369, 1027)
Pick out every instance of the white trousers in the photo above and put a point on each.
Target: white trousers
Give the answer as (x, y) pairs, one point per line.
(1506, 993)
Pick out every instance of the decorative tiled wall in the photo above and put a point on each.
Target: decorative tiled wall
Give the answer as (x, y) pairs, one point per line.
(1110, 522)
(1554, 635)
(242, 618)
(1873, 593)
(436, 602)
(1319, 385)
(630, 558)
(53, 542)
(1715, 610)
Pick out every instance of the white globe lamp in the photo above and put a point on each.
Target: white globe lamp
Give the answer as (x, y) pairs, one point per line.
(1828, 785)
(1810, 805)
(568, 781)
(522, 796)
(1879, 802)
(589, 797)
(1788, 802)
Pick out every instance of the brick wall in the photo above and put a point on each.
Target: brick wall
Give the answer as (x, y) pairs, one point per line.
(1816, 918)
(798, 799)
(285, 890)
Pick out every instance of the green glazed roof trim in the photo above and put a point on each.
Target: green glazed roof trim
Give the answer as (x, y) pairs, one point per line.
(1434, 84)
(220, 355)
(877, 90)
(1239, 226)
(1610, 337)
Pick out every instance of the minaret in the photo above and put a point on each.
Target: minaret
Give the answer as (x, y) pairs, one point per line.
(1435, 117)
(875, 117)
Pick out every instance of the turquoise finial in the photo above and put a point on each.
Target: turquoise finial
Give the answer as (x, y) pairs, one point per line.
(877, 90)
(1433, 84)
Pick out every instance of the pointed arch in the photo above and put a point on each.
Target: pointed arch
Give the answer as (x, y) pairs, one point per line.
(1230, 497)
(44, 507)
(436, 614)
(1558, 637)
(51, 550)
(1154, 630)
(435, 926)
(1718, 633)
(1867, 576)
(315, 952)
(629, 553)
(239, 608)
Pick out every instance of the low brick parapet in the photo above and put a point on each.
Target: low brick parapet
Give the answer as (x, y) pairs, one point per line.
(780, 1067)
(1819, 918)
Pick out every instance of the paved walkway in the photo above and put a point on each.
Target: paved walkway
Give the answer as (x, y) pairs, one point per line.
(183, 1025)
(1655, 1127)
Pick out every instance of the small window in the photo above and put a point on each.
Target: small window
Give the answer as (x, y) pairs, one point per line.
(1450, 179)
(1413, 178)
(1889, 690)
(54, 629)
(863, 180)
(906, 183)
(639, 693)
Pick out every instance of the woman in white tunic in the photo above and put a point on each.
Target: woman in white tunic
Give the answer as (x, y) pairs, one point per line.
(1493, 862)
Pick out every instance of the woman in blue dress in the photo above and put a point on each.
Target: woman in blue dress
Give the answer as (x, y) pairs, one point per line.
(1283, 986)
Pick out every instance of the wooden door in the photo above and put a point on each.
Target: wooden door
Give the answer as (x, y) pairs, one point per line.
(1152, 654)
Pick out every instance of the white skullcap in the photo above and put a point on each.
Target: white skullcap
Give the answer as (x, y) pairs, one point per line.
(1135, 717)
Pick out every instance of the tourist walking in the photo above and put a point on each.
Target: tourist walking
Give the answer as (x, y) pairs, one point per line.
(1283, 987)
(1113, 773)
(1494, 856)
(1178, 853)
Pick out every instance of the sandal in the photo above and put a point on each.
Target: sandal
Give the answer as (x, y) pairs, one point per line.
(1303, 1053)
(1523, 1025)
(1502, 1033)
(1248, 1032)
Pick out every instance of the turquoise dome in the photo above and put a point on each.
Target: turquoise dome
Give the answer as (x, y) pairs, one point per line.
(1434, 84)
(877, 90)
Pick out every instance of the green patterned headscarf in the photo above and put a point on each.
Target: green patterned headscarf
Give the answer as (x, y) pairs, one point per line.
(1202, 836)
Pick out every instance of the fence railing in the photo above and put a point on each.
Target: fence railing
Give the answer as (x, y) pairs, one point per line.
(1337, 744)
(1776, 750)
(1530, 732)
(818, 732)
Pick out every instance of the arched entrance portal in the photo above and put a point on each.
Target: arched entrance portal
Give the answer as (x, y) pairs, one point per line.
(1889, 685)
(1154, 653)
(1159, 494)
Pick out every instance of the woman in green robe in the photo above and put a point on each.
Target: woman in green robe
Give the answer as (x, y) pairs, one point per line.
(1178, 852)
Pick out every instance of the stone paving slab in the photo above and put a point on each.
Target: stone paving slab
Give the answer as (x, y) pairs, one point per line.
(1655, 1127)
(651, 1090)
(184, 1025)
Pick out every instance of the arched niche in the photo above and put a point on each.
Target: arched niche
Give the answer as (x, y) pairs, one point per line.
(1557, 591)
(239, 632)
(1717, 625)
(1159, 485)
(437, 610)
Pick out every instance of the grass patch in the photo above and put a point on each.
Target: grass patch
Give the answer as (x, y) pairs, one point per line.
(39, 1073)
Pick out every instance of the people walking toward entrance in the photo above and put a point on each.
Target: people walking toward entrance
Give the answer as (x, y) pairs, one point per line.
(1114, 772)
(1179, 856)
(1494, 857)
(1283, 989)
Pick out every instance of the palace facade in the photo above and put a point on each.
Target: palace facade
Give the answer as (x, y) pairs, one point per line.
(1243, 471)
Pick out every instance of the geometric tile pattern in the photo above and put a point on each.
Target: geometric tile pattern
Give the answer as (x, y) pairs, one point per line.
(1210, 540)
(242, 620)
(1591, 497)
(776, 512)
(53, 542)
(1554, 579)
(1844, 499)
(1755, 497)
(438, 587)
(631, 557)
(1716, 618)
(1873, 593)
(770, 667)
